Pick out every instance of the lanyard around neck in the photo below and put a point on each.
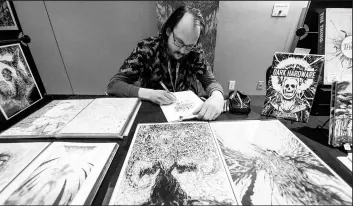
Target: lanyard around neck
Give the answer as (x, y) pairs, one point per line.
(176, 75)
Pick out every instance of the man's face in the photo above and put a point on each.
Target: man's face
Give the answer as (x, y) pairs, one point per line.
(185, 34)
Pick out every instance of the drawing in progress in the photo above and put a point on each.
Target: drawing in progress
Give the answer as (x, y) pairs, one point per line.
(271, 166)
(332, 111)
(18, 88)
(107, 116)
(292, 86)
(336, 32)
(14, 157)
(342, 121)
(187, 102)
(173, 164)
(59, 175)
(7, 20)
(48, 120)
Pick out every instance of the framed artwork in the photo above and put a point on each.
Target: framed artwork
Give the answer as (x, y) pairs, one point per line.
(64, 174)
(173, 164)
(18, 88)
(7, 19)
(269, 165)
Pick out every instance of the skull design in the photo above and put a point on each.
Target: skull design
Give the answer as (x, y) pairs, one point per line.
(289, 88)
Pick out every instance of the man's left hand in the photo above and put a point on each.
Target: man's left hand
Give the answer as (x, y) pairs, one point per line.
(212, 107)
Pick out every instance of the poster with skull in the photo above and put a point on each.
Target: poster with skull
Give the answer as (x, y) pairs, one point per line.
(18, 88)
(292, 85)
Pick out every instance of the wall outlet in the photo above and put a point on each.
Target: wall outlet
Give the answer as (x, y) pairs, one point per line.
(280, 9)
(232, 85)
(260, 85)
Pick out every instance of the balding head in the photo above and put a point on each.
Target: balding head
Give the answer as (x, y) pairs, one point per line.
(183, 30)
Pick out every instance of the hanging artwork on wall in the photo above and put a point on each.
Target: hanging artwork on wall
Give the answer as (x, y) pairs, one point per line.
(65, 173)
(173, 164)
(335, 42)
(48, 120)
(7, 19)
(292, 86)
(14, 157)
(209, 11)
(269, 165)
(18, 88)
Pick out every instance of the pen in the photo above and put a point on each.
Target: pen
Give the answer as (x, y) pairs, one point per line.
(187, 117)
(203, 99)
(164, 87)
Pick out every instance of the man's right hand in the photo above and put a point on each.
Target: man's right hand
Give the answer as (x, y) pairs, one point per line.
(160, 97)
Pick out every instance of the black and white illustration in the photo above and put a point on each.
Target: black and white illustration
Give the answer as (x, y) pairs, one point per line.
(14, 157)
(64, 174)
(269, 165)
(173, 164)
(292, 85)
(342, 117)
(48, 120)
(187, 102)
(7, 20)
(18, 88)
(182, 106)
(338, 45)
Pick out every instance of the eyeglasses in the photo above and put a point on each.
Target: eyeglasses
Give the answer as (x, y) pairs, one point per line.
(181, 45)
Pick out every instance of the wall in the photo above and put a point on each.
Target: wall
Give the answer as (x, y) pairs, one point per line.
(95, 37)
(35, 23)
(247, 38)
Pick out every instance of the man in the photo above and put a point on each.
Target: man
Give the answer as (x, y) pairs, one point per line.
(174, 58)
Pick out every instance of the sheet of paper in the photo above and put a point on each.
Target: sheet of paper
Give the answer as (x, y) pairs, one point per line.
(105, 117)
(346, 161)
(269, 165)
(187, 102)
(63, 174)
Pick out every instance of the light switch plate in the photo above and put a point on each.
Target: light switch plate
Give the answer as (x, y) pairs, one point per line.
(280, 9)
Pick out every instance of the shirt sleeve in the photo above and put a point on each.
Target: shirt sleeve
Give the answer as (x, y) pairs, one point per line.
(205, 75)
(126, 83)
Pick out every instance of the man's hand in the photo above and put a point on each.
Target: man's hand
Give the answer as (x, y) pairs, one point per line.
(160, 97)
(212, 107)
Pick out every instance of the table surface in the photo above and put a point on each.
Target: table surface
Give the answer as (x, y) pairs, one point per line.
(308, 133)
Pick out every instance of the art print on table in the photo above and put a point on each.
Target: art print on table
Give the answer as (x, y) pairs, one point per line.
(14, 157)
(104, 116)
(18, 88)
(271, 166)
(173, 164)
(48, 120)
(342, 121)
(332, 111)
(292, 86)
(187, 102)
(64, 174)
(7, 19)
